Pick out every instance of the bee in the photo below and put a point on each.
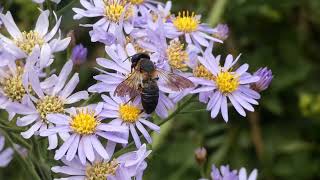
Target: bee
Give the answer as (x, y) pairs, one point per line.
(143, 81)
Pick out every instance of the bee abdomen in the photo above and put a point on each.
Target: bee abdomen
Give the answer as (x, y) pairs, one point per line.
(149, 98)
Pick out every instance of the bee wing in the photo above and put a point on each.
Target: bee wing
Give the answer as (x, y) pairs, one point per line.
(174, 81)
(130, 86)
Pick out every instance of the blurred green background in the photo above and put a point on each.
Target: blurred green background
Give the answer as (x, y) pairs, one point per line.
(282, 138)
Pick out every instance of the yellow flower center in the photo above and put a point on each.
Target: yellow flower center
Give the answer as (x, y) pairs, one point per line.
(129, 113)
(13, 87)
(186, 22)
(115, 8)
(136, 2)
(49, 104)
(177, 56)
(201, 72)
(29, 40)
(101, 170)
(84, 123)
(227, 82)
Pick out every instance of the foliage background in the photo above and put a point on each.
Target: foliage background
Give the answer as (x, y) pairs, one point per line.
(281, 139)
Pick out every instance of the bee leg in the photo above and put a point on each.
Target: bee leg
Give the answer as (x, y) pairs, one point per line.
(131, 99)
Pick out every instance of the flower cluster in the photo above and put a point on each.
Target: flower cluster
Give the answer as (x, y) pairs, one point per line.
(47, 103)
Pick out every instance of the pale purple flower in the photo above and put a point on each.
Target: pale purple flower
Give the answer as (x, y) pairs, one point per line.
(51, 97)
(266, 77)
(79, 54)
(117, 21)
(189, 26)
(107, 82)
(22, 44)
(12, 88)
(85, 126)
(98, 34)
(6, 154)
(125, 167)
(221, 31)
(225, 173)
(130, 115)
(226, 83)
(167, 52)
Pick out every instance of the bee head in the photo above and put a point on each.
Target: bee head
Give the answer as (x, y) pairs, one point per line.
(137, 57)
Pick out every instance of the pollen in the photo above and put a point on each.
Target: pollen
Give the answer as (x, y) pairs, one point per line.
(101, 170)
(201, 72)
(49, 104)
(29, 40)
(227, 82)
(129, 113)
(186, 22)
(13, 87)
(177, 56)
(115, 8)
(136, 2)
(84, 122)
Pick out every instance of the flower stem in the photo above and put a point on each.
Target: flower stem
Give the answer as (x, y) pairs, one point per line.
(27, 164)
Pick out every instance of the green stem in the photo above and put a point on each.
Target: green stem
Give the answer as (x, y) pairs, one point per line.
(65, 8)
(217, 11)
(11, 129)
(27, 164)
(90, 99)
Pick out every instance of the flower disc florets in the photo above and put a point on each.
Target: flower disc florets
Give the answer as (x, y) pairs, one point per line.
(115, 8)
(13, 87)
(177, 56)
(186, 22)
(227, 82)
(29, 40)
(129, 113)
(84, 123)
(49, 104)
(101, 170)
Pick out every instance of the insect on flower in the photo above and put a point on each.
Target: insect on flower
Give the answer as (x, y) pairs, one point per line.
(143, 81)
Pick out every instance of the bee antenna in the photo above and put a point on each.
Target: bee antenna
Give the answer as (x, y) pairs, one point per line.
(127, 58)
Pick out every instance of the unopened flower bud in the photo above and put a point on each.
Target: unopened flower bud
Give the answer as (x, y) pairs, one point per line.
(201, 155)
(79, 54)
(266, 76)
(222, 32)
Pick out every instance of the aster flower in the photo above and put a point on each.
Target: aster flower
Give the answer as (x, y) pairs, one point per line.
(85, 126)
(116, 15)
(12, 89)
(109, 81)
(266, 77)
(189, 26)
(22, 44)
(175, 53)
(79, 54)
(6, 154)
(225, 173)
(221, 83)
(130, 115)
(49, 96)
(125, 167)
